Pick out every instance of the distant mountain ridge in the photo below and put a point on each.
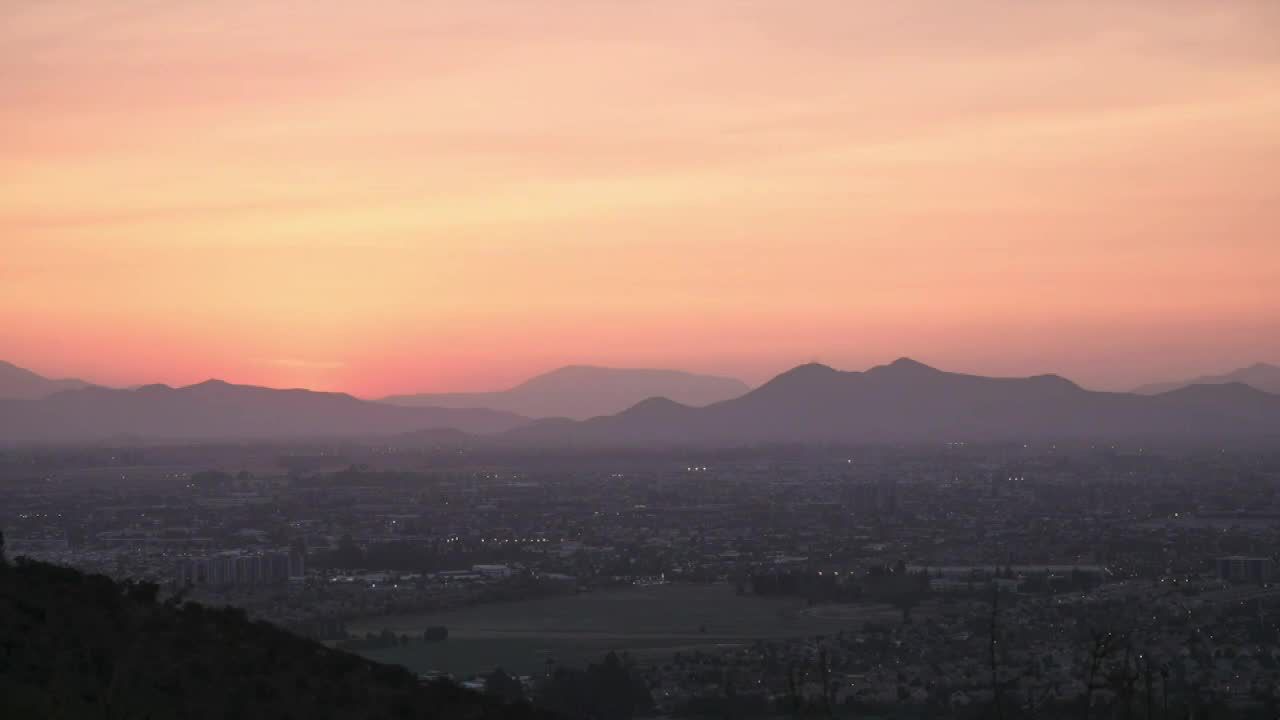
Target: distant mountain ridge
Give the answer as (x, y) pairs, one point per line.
(585, 391)
(1263, 376)
(903, 401)
(907, 401)
(219, 410)
(23, 384)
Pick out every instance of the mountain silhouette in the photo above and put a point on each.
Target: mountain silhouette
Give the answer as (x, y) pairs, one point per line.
(583, 391)
(907, 401)
(1262, 376)
(219, 410)
(20, 383)
(903, 401)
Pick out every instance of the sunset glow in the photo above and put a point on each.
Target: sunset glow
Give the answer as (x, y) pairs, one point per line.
(397, 196)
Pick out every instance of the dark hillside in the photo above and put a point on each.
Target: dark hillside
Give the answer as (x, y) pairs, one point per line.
(84, 646)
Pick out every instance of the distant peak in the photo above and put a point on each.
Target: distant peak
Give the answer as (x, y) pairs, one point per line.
(656, 402)
(153, 387)
(809, 375)
(654, 405)
(813, 367)
(809, 370)
(575, 368)
(902, 365)
(1053, 379)
(1234, 387)
(607, 370)
(210, 385)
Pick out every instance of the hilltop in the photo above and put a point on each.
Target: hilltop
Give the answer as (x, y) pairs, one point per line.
(21, 383)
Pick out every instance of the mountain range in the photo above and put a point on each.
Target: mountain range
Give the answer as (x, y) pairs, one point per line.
(1262, 376)
(584, 391)
(16, 382)
(219, 410)
(903, 401)
(906, 401)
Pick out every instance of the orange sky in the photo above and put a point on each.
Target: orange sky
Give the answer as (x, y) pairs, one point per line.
(409, 195)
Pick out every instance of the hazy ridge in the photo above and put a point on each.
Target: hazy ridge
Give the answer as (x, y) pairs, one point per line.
(583, 391)
(904, 401)
(20, 383)
(218, 410)
(1263, 376)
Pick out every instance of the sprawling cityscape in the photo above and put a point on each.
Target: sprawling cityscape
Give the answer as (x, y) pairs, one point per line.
(903, 581)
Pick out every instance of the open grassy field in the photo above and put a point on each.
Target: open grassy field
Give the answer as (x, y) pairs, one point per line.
(653, 621)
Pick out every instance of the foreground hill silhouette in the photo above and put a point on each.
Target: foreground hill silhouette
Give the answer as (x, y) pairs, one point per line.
(582, 391)
(83, 646)
(20, 383)
(220, 410)
(1263, 376)
(906, 401)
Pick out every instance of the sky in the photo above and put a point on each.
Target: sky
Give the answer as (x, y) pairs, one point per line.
(393, 196)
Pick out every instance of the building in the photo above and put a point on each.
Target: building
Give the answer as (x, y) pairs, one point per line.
(234, 568)
(297, 564)
(1238, 568)
(492, 571)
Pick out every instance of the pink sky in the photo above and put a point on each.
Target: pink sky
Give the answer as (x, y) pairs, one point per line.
(395, 196)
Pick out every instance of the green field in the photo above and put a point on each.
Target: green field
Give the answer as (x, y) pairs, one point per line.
(653, 621)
